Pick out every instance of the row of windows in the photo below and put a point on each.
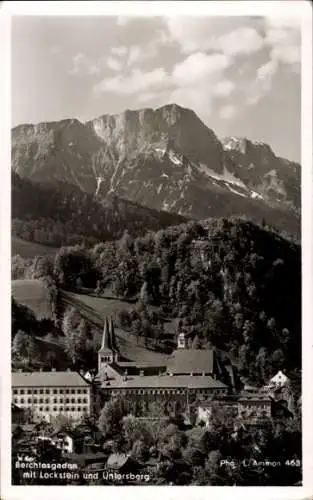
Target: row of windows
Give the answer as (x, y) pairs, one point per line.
(167, 391)
(49, 391)
(55, 409)
(254, 407)
(47, 400)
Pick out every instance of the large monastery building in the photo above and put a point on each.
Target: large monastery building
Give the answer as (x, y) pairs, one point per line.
(187, 374)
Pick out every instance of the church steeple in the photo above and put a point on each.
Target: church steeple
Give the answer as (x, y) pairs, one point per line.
(105, 354)
(112, 335)
(105, 343)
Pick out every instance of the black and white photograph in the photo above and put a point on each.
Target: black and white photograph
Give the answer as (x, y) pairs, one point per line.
(156, 254)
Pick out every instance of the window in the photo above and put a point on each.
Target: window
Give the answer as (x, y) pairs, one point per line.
(85, 409)
(15, 391)
(73, 391)
(47, 400)
(41, 400)
(73, 400)
(78, 408)
(84, 391)
(79, 400)
(72, 409)
(22, 401)
(35, 401)
(29, 391)
(55, 391)
(67, 391)
(78, 391)
(41, 408)
(61, 401)
(35, 391)
(67, 401)
(55, 400)
(29, 401)
(61, 391)
(15, 401)
(41, 391)
(47, 391)
(54, 408)
(22, 391)
(47, 408)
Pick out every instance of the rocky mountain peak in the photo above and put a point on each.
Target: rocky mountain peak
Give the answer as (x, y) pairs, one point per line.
(164, 158)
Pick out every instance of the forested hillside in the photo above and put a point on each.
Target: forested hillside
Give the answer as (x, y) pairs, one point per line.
(61, 214)
(228, 283)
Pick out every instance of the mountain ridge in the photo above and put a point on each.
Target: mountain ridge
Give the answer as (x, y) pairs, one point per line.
(164, 158)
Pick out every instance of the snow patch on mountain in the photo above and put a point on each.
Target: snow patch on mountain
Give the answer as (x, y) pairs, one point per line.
(225, 177)
(236, 192)
(256, 196)
(99, 181)
(174, 159)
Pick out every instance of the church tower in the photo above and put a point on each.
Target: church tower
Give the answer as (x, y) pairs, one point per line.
(105, 353)
(113, 341)
(181, 341)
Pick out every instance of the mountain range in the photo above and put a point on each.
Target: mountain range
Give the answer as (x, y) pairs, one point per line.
(165, 160)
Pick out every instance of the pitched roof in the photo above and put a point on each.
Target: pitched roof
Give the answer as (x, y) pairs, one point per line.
(117, 460)
(17, 409)
(48, 379)
(186, 361)
(112, 336)
(105, 343)
(164, 381)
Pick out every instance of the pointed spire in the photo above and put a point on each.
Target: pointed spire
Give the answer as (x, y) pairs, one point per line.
(112, 336)
(105, 344)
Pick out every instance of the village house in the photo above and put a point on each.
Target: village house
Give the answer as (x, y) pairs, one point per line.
(68, 441)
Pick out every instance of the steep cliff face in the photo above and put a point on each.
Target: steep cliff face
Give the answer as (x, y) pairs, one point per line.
(273, 178)
(166, 159)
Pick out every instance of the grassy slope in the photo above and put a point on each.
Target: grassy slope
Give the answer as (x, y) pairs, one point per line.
(29, 250)
(33, 294)
(95, 309)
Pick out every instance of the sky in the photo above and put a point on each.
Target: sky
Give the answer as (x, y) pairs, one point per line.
(241, 75)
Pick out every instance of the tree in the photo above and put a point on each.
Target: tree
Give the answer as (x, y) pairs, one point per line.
(42, 267)
(140, 451)
(134, 430)
(24, 347)
(144, 293)
(196, 343)
(111, 416)
(75, 332)
(73, 265)
(20, 343)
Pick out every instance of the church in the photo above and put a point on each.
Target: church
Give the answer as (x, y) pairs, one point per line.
(188, 374)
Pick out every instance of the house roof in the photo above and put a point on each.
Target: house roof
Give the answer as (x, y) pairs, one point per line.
(186, 361)
(73, 433)
(164, 381)
(48, 379)
(117, 460)
(257, 396)
(108, 342)
(16, 409)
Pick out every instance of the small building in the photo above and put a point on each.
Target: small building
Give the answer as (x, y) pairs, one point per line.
(254, 407)
(68, 441)
(121, 463)
(279, 380)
